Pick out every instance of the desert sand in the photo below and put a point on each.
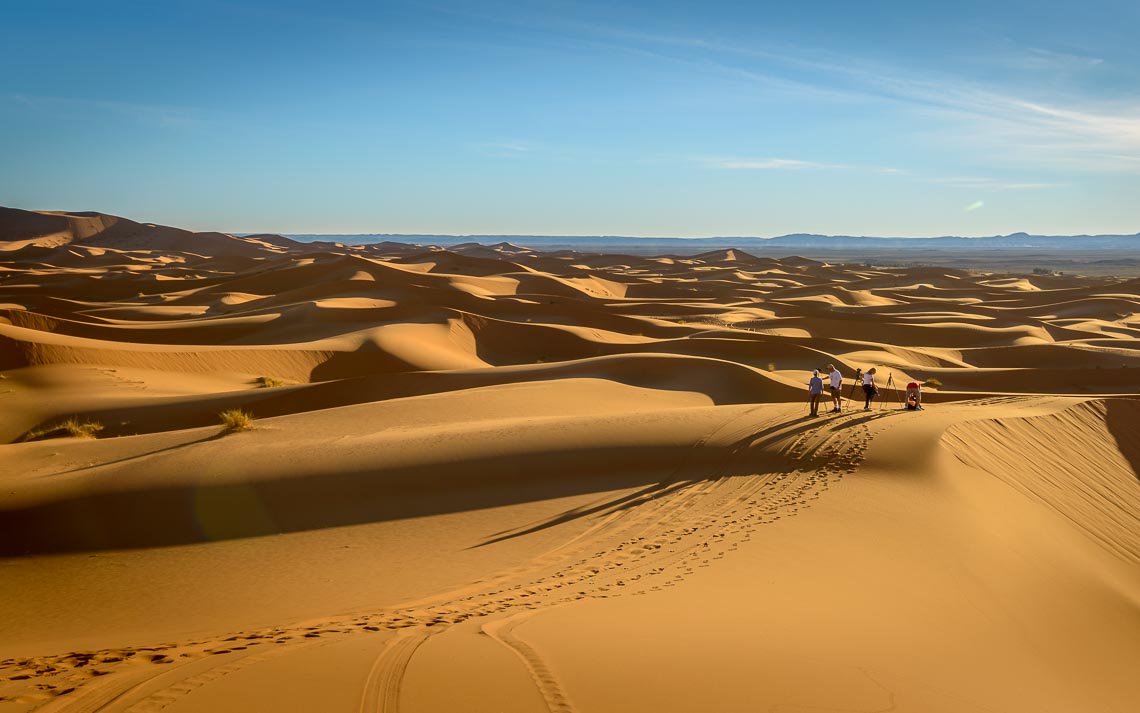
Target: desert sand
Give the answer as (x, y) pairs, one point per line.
(495, 479)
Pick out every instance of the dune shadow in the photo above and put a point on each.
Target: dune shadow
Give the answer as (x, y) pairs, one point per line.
(623, 502)
(203, 508)
(1123, 421)
(147, 512)
(802, 424)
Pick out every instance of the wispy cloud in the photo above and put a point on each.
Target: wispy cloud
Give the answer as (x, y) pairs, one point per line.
(527, 148)
(746, 163)
(1039, 59)
(991, 184)
(1061, 131)
(764, 164)
(505, 148)
(1043, 134)
(1032, 124)
(165, 116)
(977, 183)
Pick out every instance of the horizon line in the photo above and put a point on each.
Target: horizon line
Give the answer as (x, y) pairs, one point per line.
(682, 237)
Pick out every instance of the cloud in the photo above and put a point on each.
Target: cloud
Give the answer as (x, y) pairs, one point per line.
(1050, 135)
(1039, 59)
(1051, 130)
(1032, 123)
(1027, 186)
(526, 148)
(505, 148)
(763, 164)
(991, 184)
(1087, 136)
(974, 206)
(738, 163)
(165, 116)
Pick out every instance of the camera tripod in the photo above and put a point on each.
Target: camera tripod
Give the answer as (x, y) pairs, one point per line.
(858, 381)
(894, 392)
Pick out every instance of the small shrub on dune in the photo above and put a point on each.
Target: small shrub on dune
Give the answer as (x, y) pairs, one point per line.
(268, 382)
(933, 383)
(234, 420)
(82, 429)
(771, 366)
(71, 428)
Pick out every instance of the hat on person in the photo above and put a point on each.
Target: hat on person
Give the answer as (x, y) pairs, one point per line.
(815, 372)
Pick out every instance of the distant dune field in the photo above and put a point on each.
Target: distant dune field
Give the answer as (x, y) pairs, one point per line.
(490, 478)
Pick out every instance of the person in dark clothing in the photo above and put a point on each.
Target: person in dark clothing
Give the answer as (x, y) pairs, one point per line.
(815, 390)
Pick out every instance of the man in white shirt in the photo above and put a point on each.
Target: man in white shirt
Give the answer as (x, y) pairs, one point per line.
(835, 383)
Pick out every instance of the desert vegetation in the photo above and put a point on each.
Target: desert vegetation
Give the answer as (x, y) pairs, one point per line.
(234, 420)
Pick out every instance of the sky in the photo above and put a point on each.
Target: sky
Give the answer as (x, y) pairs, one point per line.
(660, 118)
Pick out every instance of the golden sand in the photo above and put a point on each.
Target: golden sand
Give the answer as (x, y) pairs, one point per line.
(494, 479)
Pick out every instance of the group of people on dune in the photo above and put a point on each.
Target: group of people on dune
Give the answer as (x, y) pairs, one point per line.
(870, 391)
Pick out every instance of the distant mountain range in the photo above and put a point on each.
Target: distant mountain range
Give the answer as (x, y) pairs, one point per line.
(39, 235)
(1016, 241)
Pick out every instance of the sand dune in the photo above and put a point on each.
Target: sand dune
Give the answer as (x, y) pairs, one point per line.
(492, 478)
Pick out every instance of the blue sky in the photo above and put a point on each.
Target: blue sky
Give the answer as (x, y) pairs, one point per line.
(558, 117)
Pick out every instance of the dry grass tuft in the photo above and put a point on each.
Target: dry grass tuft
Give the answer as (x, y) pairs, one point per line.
(935, 383)
(70, 428)
(771, 366)
(268, 382)
(234, 420)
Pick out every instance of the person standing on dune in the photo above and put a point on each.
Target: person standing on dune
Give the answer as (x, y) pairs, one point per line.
(869, 389)
(815, 390)
(836, 385)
